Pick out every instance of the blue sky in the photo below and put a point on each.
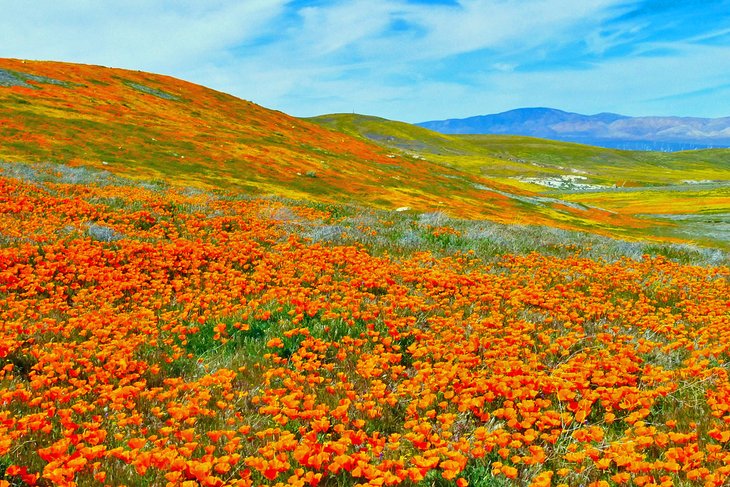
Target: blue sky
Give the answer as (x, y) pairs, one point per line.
(409, 60)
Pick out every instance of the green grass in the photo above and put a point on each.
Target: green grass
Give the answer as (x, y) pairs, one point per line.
(643, 185)
(510, 156)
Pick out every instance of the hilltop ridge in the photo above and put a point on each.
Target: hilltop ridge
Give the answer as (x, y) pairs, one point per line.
(150, 126)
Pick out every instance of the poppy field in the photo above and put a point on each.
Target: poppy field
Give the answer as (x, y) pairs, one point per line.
(162, 336)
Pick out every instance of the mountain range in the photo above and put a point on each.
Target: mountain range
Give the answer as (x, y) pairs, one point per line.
(604, 129)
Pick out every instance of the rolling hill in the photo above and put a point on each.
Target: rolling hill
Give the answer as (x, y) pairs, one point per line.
(155, 127)
(604, 129)
(684, 195)
(149, 126)
(152, 126)
(514, 156)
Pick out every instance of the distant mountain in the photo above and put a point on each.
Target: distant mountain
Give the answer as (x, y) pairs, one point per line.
(604, 129)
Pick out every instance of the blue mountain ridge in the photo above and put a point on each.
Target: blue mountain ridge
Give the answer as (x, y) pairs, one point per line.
(604, 129)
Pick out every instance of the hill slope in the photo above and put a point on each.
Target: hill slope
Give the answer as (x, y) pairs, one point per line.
(151, 126)
(507, 156)
(683, 195)
(155, 127)
(603, 129)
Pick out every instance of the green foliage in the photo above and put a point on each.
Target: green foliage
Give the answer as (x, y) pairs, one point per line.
(479, 474)
(203, 342)
(4, 464)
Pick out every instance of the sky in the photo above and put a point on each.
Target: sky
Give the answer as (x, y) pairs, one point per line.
(408, 60)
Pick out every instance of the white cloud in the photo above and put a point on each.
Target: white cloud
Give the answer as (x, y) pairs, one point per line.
(632, 86)
(140, 34)
(327, 29)
(510, 25)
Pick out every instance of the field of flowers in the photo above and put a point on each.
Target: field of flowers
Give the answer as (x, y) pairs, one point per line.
(153, 127)
(153, 336)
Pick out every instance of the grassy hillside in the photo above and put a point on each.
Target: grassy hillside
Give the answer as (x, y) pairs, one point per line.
(683, 195)
(504, 155)
(154, 127)
(149, 126)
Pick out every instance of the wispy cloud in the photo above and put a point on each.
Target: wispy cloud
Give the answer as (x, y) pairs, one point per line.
(406, 59)
(131, 33)
(692, 96)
